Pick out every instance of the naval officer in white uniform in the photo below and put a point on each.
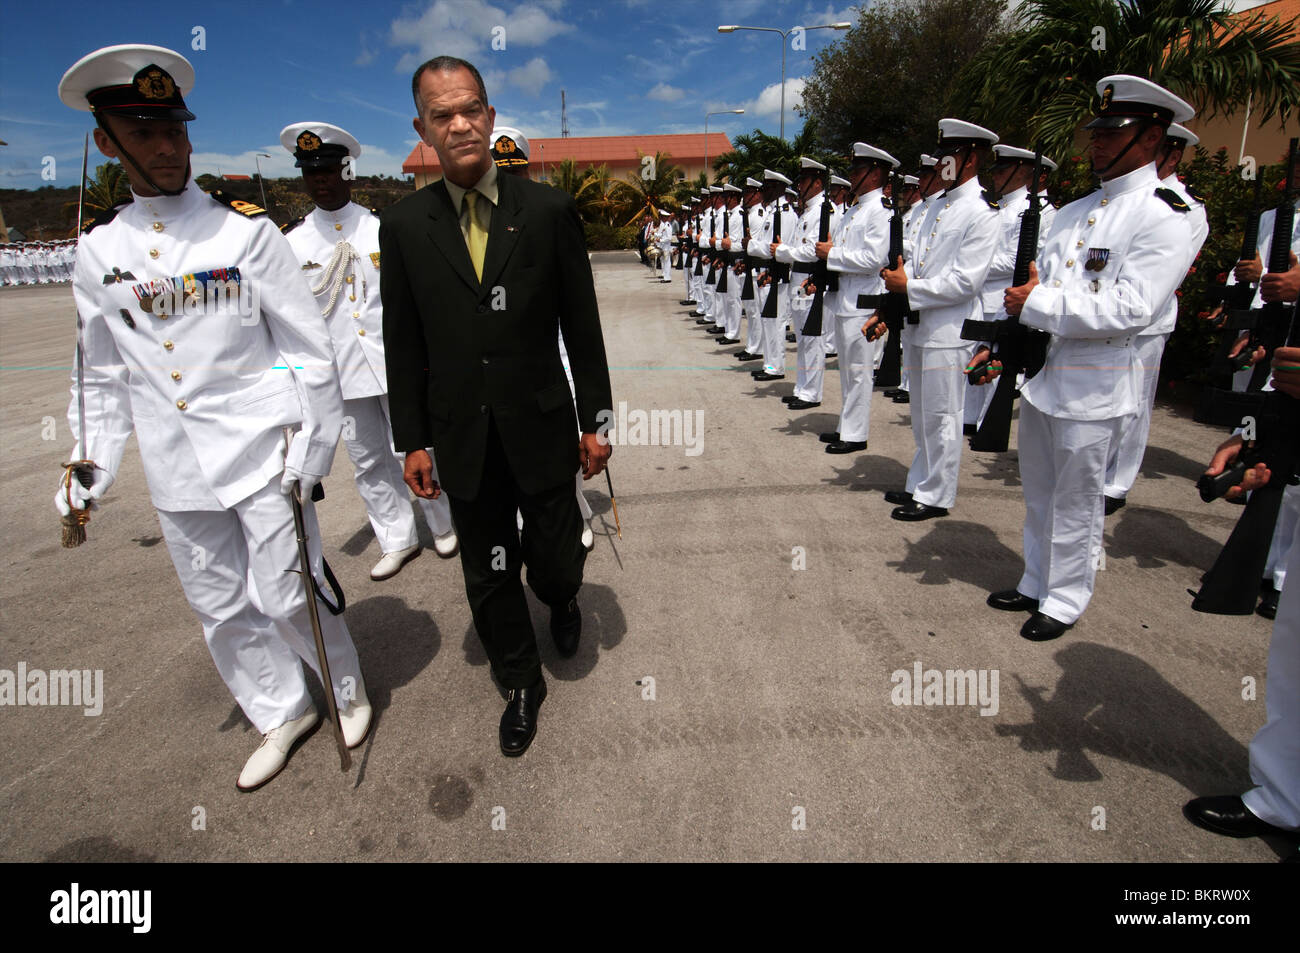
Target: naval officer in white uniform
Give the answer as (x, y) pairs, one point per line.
(337, 245)
(193, 307)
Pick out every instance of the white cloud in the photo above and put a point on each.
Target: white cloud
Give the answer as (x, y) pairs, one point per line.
(768, 103)
(466, 28)
(532, 76)
(665, 93)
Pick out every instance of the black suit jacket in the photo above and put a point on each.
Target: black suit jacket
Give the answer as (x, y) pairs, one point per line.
(458, 349)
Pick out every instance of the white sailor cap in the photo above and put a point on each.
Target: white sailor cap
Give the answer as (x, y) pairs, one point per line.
(957, 134)
(133, 79)
(911, 180)
(809, 166)
(770, 176)
(1177, 131)
(509, 147)
(752, 183)
(836, 180)
(928, 161)
(1014, 154)
(317, 145)
(731, 188)
(867, 153)
(792, 193)
(665, 213)
(1126, 99)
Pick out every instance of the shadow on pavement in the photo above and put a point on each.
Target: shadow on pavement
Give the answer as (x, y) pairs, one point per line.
(956, 549)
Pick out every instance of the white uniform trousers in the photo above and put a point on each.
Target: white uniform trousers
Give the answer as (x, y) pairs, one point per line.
(936, 405)
(774, 329)
(1126, 455)
(904, 375)
(1275, 749)
(810, 351)
(732, 324)
(667, 263)
(1062, 465)
(754, 335)
(238, 570)
(1284, 536)
(856, 354)
(378, 473)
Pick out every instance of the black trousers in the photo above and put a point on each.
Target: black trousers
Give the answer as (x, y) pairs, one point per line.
(492, 550)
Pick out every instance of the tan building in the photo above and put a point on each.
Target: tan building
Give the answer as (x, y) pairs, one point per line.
(621, 153)
(1239, 132)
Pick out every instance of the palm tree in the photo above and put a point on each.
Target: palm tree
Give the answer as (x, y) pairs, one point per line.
(751, 154)
(107, 188)
(1040, 80)
(646, 192)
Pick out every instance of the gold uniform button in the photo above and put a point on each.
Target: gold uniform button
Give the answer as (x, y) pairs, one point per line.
(362, 332)
(181, 405)
(348, 279)
(356, 314)
(338, 227)
(168, 345)
(1092, 221)
(176, 375)
(1103, 201)
(1069, 263)
(157, 226)
(1079, 243)
(153, 253)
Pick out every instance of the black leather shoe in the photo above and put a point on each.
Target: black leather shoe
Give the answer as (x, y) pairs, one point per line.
(1114, 503)
(969, 430)
(830, 354)
(800, 404)
(717, 330)
(846, 446)
(1043, 628)
(898, 497)
(903, 398)
(1268, 604)
(789, 336)
(702, 320)
(1010, 600)
(914, 512)
(893, 392)
(1227, 814)
(746, 356)
(765, 376)
(728, 340)
(831, 437)
(686, 302)
(519, 720)
(566, 627)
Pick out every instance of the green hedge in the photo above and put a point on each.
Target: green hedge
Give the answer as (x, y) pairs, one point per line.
(606, 237)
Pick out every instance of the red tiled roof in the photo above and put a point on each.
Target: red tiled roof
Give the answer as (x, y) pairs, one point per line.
(238, 178)
(616, 151)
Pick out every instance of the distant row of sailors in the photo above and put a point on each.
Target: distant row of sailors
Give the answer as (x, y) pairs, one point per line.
(37, 263)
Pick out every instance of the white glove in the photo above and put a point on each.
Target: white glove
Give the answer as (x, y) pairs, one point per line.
(306, 483)
(83, 496)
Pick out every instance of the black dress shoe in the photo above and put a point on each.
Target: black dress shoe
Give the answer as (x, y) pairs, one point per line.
(898, 497)
(1043, 628)
(789, 336)
(717, 330)
(893, 392)
(702, 319)
(1011, 600)
(830, 354)
(800, 404)
(1268, 604)
(728, 340)
(832, 437)
(566, 627)
(846, 446)
(787, 398)
(686, 302)
(914, 512)
(746, 356)
(765, 376)
(903, 398)
(519, 720)
(1227, 814)
(969, 430)
(1114, 503)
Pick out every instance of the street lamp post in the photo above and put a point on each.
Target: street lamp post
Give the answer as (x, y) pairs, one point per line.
(260, 185)
(785, 34)
(720, 112)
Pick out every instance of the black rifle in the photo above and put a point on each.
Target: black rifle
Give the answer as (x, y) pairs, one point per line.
(746, 290)
(712, 277)
(892, 306)
(812, 326)
(1018, 347)
(683, 245)
(776, 271)
(1236, 299)
(699, 252)
(1230, 587)
(723, 254)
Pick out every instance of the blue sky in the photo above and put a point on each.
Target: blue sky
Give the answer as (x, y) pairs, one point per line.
(628, 67)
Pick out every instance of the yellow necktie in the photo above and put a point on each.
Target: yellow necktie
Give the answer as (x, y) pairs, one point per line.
(476, 237)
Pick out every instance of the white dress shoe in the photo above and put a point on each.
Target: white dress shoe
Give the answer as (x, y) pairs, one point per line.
(391, 563)
(446, 545)
(588, 538)
(277, 744)
(355, 718)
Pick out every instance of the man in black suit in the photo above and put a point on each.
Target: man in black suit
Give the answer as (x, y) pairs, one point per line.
(478, 272)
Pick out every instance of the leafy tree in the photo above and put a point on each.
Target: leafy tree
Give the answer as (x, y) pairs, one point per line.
(1040, 80)
(108, 187)
(751, 154)
(887, 81)
(645, 193)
